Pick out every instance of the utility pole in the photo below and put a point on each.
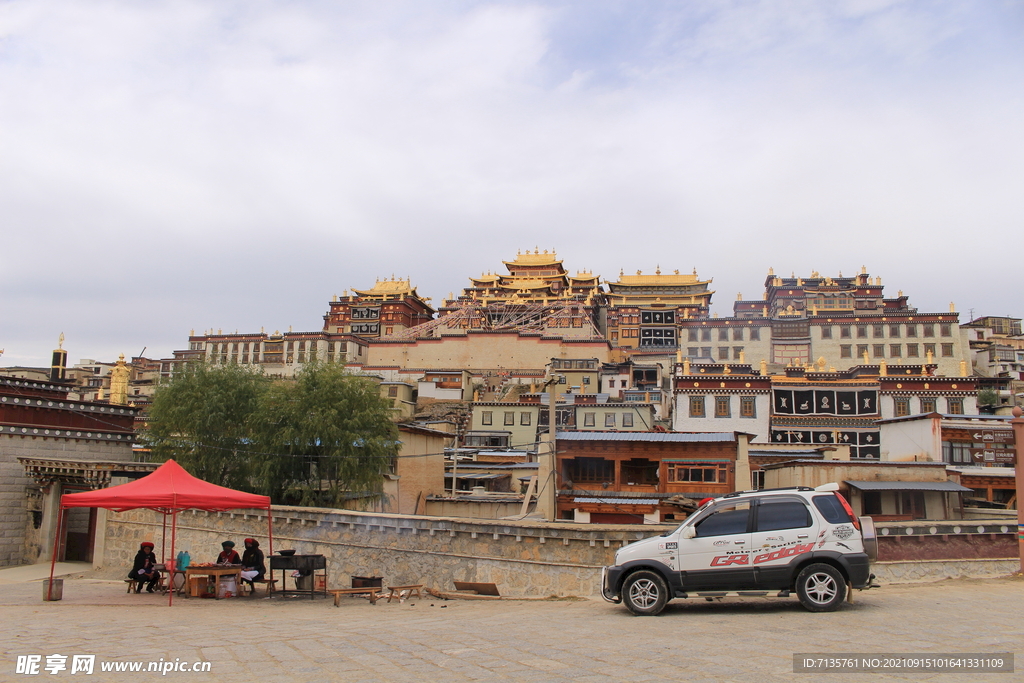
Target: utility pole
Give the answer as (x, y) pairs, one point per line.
(547, 493)
(1018, 437)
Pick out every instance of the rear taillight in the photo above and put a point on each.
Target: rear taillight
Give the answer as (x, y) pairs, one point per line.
(849, 510)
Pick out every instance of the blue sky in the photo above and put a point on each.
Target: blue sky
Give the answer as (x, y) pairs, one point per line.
(175, 165)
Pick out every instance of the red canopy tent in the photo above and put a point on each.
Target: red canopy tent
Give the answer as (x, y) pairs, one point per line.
(169, 489)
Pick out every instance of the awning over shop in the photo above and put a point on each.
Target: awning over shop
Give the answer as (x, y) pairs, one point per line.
(618, 501)
(476, 476)
(946, 486)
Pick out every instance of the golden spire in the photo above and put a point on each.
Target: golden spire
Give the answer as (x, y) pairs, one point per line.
(60, 341)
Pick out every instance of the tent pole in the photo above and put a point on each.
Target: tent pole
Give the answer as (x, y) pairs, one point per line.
(163, 540)
(56, 549)
(174, 528)
(270, 550)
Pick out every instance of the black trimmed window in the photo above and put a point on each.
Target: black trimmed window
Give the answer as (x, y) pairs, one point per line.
(748, 406)
(901, 405)
(697, 406)
(723, 406)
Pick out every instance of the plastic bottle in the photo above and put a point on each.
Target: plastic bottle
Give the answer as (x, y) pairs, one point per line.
(183, 560)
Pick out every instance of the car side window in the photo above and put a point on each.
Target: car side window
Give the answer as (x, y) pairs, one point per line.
(783, 514)
(725, 520)
(831, 509)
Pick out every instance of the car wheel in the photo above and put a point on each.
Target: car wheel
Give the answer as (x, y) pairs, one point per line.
(821, 588)
(644, 593)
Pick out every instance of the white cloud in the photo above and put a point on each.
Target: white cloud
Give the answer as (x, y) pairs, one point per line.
(182, 164)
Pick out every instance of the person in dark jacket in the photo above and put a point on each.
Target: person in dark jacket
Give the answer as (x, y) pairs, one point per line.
(144, 570)
(253, 568)
(228, 555)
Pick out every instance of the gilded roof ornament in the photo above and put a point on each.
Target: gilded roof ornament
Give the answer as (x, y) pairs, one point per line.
(60, 341)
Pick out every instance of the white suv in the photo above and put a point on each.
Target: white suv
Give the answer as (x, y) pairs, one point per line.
(754, 543)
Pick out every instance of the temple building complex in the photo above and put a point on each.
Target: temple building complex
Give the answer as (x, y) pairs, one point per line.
(508, 327)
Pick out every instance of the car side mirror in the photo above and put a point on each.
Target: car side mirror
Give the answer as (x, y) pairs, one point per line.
(689, 532)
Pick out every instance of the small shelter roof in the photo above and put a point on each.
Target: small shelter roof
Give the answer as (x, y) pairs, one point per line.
(948, 486)
(168, 489)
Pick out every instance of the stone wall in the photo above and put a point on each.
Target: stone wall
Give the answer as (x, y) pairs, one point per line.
(937, 570)
(523, 559)
(20, 538)
(945, 540)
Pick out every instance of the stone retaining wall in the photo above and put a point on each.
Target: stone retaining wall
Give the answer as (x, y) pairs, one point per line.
(524, 559)
(936, 570)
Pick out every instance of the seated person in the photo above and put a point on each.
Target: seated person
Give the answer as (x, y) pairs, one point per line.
(228, 555)
(144, 570)
(253, 568)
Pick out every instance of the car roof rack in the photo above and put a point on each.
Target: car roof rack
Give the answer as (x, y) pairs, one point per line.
(784, 488)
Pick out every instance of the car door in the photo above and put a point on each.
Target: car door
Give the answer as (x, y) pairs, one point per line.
(717, 557)
(784, 528)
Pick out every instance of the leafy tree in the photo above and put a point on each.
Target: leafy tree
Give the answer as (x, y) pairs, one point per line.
(202, 418)
(988, 397)
(331, 435)
(315, 440)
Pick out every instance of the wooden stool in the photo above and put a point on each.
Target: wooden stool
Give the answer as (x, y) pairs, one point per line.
(252, 587)
(396, 591)
(159, 583)
(369, 590)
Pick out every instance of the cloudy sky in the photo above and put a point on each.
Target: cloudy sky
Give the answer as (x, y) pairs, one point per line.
(175, 165)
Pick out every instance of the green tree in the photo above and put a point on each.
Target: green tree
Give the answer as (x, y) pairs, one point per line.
(988, 397)
(330, 435)
(203, 419)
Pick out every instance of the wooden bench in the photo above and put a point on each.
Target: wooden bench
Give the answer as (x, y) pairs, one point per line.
(396, 591)
(368, 590)
(268, 582)
(159, 583)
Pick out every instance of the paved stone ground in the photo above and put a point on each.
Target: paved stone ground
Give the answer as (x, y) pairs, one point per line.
(583, 641)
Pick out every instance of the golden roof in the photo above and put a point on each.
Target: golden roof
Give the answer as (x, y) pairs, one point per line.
(658, 278)
(528, 284)
(535, 259)
(388, 287)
